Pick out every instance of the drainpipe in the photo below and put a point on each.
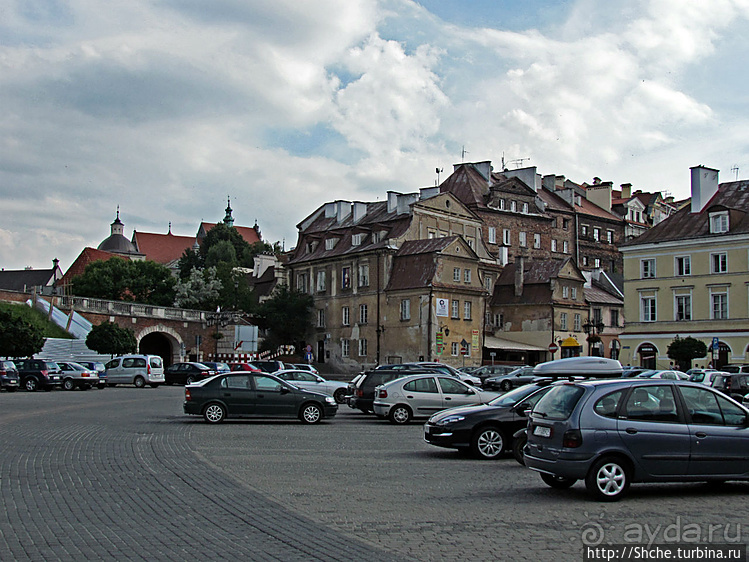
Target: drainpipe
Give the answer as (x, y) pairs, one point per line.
(428, 354)
(378, 331)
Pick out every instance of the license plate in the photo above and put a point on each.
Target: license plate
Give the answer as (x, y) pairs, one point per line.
(542, 431)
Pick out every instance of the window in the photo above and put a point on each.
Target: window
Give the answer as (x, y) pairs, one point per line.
(647, 309)
(356, 239)
(421, 385)
(610, 236)
(574, 293)
(553, 245)
(492, 235)
(362, 348)
(345, 348)
(585, 261)
(597, 262)
(330, 243)
(584, 230)
(563, 321)
(501, 204)
(597, 234)
(345, 316)
(363, 315)
(565, 292)
(566, 247)
(578, 323)
(525, 208)
(455, 304)
(719, 222)
(702, 405)
(456, 274)
(466, 275)
(320, 281)
(499, 320)
(597, 316)
(719, 263)
(522, 239)
(647, 268)
(454, 349)
(364, 275)
(537, 241)
(719, 305)
(345, 278)
(301, 283)
(683, 265)
(321, 318)
(565, 223)
(608, 405)
(513, 206)
(614, 318)
(406, 309)
(467, 310)
(489, 283)
(452, 386)
(683, 307)
(651, 403)
(506, 237)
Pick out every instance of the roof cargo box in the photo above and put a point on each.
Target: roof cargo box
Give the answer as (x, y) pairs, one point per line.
(592, 367)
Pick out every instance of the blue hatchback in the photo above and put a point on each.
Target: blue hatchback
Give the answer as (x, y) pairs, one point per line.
(610, 433)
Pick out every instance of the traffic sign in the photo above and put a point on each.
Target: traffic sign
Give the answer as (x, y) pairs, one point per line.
(553, 348)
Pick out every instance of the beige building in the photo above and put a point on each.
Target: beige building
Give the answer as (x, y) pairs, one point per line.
(689, 276)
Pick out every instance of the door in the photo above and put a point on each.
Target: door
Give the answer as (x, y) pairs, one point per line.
(273, 398)
(238, 395)
(652, 428)
(423, 396)
(718, 432)
(456, 393)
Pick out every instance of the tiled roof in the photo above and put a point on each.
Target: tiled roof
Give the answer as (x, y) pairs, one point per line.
(248, 233)
(87, 256)
(553, 201)
(468, 185)
(685, 225)
(412, 247)
(412, 271)
(534, 272)
(595, 295)
(25, 279)
(162, 248)
(589, 208)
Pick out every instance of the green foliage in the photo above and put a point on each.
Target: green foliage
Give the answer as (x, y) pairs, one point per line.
(18, 337)
(190, 260)
(223, 233)
(110, 339)
(684, 350)
(36, 318)
(146, 282)
(201, 290)
(286, 317)
(222, 252)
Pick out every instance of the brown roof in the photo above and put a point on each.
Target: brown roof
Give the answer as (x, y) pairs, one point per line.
(468, 185)
(162, 248)
(87, 256)
(685, 225)
(596, 295)
(426, 246)
(412, 271)
(247, 232)
(589, 208)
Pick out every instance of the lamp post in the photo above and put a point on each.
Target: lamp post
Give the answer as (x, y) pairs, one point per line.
(592, 329)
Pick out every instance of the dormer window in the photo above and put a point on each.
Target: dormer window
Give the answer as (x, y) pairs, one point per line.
(513, 206)
(330, 243)
(719, 222)
(357, 239)
(525, 208)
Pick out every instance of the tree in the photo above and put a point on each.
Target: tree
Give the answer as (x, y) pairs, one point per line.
(18, 338)
(684, 350)
(286, 317)
(146, 282)
(151, 283)
(200, 290)
(110, 339)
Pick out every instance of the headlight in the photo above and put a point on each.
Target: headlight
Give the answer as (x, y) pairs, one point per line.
(454, 418)
(330, 400)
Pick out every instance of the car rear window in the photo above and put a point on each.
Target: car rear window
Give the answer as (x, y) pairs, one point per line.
(155, 362)
(607, 405)
(559, 402)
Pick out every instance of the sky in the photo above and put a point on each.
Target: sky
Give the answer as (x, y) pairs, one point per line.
(164, 108)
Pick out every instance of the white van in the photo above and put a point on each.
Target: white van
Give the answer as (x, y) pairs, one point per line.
(135, 369)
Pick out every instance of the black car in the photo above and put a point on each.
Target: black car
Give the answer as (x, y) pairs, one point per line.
(269, 366)
(518, 377)
(364, 393)
(9, 376)
(187, 373)
(38, 374)
(486, 429)
(255, 395)
(734, 385)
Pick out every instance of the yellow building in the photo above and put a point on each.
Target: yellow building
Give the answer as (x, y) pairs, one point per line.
(689, 276)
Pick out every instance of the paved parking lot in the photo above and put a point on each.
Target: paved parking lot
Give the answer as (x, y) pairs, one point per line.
(122, 474)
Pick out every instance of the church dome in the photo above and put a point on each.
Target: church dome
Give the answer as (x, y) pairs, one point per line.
(116, 242)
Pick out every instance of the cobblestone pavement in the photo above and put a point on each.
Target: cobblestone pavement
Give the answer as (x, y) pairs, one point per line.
(122, 474)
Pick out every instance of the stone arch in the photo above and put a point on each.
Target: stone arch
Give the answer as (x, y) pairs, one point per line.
(161, 340)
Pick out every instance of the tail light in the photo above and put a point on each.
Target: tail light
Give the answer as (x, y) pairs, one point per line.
(359, 392)
(44, 373)
(728, 383)
(148, 368)
(572, 439)
(187, 394)
(382, 394)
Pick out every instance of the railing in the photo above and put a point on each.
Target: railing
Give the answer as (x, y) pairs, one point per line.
(120, 308)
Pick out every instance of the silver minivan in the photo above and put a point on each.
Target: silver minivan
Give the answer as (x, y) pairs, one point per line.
(138, 370)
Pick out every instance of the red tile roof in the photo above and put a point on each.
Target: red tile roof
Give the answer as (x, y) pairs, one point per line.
(162, 248)
(247, 232)
(87, 256)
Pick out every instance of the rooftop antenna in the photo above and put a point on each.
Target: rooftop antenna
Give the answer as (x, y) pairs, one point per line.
(735, 170)
(518, 162)
(439, 171)
(463, 154)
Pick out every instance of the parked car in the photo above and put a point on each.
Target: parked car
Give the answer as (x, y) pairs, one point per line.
(269, 366)
(420, 396)
(364, 393)
(668, 374)
(315, 383)
(9, 379)
(187, 373)
(704, 376)
(494, 371)
(304, 367)
(75, 375)
(217, 367)
(735, 369)
(38, 374)
(255, 395)
(452, 371)
(611, 433)
(244, 367)
(138, 370)
(351, 389)
(628, 372)
(487, 429)
(518, 377)
(100, 369)
(734, 385)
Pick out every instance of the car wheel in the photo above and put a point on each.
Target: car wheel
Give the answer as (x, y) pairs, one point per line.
(31, 384)
(487, 443)
(310, 413)
(68, 384)
(608, 479)
(400, 414)
(340, 396)
(517, 448)
(139, 382)
(557, 482)
(214, 413)
(506, 385)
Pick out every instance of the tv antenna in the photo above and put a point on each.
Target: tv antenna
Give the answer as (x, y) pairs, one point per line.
(518, 162)
(439, 171)
(463, 154)
(735, 170)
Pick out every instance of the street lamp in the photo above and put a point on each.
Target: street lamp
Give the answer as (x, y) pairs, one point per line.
(592, 329)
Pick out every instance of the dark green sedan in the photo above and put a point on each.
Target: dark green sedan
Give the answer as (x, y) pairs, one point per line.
(256, 395)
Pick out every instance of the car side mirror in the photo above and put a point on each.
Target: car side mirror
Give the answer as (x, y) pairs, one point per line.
(522, 409)
(285, 390)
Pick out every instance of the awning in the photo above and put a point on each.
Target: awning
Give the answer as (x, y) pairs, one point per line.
(570, 342)
(508, 345)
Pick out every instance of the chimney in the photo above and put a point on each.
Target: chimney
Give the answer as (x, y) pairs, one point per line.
(427, 192)
(704, 186)
(405, 200)
(343, 210)
(519, 265)
(360, 210)
(392, 201)
(527, 175)
(600, 194)
(330, 210)
(485, 169)
(626, 190)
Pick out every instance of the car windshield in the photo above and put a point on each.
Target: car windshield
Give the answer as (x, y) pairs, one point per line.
(514, 396)
(558, 402)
